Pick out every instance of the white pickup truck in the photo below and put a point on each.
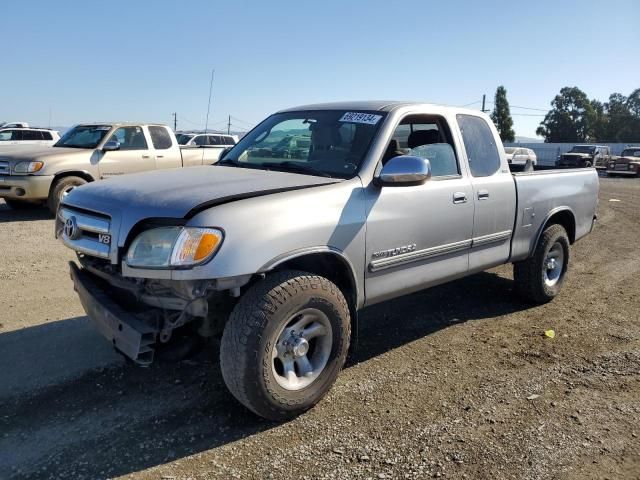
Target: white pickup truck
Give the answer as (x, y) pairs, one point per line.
(89, 152)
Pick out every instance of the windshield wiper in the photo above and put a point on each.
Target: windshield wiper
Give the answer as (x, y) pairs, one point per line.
(296, 167)
(229, 162)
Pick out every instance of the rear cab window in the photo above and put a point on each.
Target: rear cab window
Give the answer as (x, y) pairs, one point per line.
(480, 145)
(160, 137)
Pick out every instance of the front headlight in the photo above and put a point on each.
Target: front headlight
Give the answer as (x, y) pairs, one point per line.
(27, 167)
(167, 247)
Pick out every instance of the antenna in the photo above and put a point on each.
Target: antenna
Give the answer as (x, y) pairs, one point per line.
(206, 123)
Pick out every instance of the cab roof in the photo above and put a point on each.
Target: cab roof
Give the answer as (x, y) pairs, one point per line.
(371, 105)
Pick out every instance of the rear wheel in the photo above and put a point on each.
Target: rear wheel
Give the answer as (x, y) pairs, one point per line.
(285, 343)
(21, 204)
(540, 277)
(60, 189)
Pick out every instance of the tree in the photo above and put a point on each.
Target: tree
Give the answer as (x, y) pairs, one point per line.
(501, 115)
(571, 118)
(599, 129)
(619, 118)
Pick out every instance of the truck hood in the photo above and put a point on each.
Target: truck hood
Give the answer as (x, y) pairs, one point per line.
(627, 159)
(180, 193)
(42, 153)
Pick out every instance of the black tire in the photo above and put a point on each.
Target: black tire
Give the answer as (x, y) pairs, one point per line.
(60, 188)
(531, 275)
(21, 204)
(253, 331)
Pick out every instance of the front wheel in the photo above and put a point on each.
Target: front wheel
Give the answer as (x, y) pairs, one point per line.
(540, 277)
(60, 189)
(285, 343)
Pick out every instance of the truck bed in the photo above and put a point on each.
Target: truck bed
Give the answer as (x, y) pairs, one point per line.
(548, 191)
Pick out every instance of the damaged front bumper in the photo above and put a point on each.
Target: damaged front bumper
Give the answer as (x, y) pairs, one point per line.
(128, 334)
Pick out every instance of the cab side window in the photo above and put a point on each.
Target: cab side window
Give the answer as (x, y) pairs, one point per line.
(130, 138)
(428, 137)
(480, 145)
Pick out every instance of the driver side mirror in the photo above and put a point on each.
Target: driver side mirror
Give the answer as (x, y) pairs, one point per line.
(223, 153)
(111, 146)
(404, 171)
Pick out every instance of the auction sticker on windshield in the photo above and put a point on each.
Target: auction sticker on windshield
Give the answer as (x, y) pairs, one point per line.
(358, 117)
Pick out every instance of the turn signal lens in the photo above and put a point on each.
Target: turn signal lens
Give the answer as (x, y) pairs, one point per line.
(195, 245)
(207, 245)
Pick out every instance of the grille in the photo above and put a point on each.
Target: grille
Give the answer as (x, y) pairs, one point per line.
(90, 234)
(4, 167)
(621, 166)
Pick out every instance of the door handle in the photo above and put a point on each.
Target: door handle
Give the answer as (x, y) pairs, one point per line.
(483, 194)
(145, 156)
(159, 156)
(459, 197)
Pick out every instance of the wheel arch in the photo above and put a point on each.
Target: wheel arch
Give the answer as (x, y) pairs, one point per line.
(562, 216)
(327, 262)
(71, 173)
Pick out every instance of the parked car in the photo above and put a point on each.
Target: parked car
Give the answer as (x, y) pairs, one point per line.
(628, 163)
(520, 155)
(586, 156)
(206, 139)
(15, 136)
(278, 256)
(90, 152)
(292, 146)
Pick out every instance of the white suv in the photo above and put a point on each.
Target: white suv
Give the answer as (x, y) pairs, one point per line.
(520, 155)
(28, 136)
(206, 139)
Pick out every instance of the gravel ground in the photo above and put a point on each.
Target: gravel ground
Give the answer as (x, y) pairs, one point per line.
(454, 382)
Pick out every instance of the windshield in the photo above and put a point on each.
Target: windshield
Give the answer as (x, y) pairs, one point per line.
(83, 136)
(509, 150)
(583, 149)
(330, 143)
(631, 152)
(183, 138)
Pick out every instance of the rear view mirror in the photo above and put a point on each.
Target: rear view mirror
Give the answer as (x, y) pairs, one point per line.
(405, 171)
(111, 146)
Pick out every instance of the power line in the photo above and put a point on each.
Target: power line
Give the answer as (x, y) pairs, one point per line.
(251, 124)
(525, 108)
(469, 104)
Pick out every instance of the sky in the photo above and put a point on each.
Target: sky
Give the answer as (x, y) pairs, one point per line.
(67, 62)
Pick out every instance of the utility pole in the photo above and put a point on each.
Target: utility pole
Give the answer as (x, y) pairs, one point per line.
(229, 126)
(484, 98)
(175, 121)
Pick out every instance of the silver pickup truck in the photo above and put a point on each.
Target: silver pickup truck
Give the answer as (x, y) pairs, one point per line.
(89, 152)
(277, 254)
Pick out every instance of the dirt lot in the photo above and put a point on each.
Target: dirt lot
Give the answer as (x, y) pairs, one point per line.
(456, 382)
